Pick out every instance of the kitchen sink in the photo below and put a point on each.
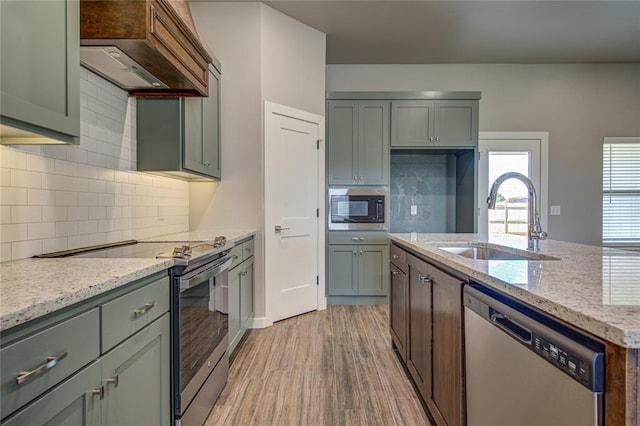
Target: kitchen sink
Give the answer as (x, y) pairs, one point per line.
(483, 252)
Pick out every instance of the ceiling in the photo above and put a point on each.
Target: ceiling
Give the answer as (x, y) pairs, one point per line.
(444, 32)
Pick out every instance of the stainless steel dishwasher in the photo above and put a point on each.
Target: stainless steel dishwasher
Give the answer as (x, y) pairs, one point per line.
(526, 368)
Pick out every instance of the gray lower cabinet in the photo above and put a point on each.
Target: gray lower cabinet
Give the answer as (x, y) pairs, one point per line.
(359, 272)
(434, 123)
(240, 292)
(181, 136)
(358, 142)
(40, 71)
(76, 379)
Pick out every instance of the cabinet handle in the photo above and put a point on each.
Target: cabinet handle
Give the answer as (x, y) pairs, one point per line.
(437, 138)
(99, 391)
(115, 380)
(243, 273)
(395, 256)
(394, 272)
(234, 257)
(424, 279)
(146, 308)
(357, 238)
(355, 252)
(430, 138)
(360, 251)
(51, 362)
(279, 228)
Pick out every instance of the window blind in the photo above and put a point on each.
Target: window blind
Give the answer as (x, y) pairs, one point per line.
(621, 192)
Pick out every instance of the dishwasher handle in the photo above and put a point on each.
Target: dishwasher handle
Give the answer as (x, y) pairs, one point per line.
(510, 326)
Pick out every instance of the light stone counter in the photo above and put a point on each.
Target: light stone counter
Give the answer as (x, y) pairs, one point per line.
(30, 288)
(593, 288)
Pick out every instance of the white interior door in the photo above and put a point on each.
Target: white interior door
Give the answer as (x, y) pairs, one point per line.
(294, 234)
(500, 153)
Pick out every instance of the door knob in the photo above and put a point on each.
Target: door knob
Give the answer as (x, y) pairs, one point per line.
(279, 229)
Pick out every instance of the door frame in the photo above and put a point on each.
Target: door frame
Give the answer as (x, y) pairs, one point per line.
(543, 191)
(271, 109)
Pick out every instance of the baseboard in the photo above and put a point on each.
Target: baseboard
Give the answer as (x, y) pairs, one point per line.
(261, 322)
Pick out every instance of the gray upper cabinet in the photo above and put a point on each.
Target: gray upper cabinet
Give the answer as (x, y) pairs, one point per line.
(434, 123)
(39, 71)
(358, 141)
(181, 136)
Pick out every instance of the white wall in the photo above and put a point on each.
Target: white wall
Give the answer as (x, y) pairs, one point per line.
(62, 197)
(265, 55)
(577, 104)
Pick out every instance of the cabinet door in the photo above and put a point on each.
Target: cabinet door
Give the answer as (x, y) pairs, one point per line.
(246, 294)
(211, 127)
(456, 123)
(342, 142)
(136, 375)
(398, 316)
(235, 331)
(40, 67)
(343, 270)
(70, 403)
(445, 396)
(373, 139)
(412, 123)
(373, 270)
(193, 135)
(419, 350)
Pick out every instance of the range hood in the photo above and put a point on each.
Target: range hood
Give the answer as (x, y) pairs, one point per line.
(147, 47)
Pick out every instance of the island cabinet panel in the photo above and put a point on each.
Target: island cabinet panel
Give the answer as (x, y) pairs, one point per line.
(434, 339)
(399, 300)
(622, 386)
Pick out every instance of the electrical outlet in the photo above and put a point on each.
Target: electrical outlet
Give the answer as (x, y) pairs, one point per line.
(555, 210)
(414, 210)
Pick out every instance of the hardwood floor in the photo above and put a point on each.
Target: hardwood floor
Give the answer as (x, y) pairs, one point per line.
(334, 367)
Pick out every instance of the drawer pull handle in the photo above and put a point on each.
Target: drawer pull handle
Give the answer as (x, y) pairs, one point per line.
(99, 391)
(234, 257)
(146, 308)
(51, 362)
(115, 380)
(395, 256)
(357, 238)
(394, 272)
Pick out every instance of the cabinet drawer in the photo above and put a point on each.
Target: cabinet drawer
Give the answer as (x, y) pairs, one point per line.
(74, 342)
(358, 238)
(236, 255)
(247, 249)
(127, 314)
(398, 257)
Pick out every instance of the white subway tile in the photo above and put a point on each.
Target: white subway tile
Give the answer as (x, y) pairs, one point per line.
(65, 229)
(5, 252)
(88, 89)
(38, 163)
(88, 227)
(97, 212)
(53, 181)
(5, 214)
(113, 188)
(106, 225)
(13, 232)
(112, 163)
(26, 179)
(54, 244)
(5, 176)
(106, 199)
(41, 197)
(41, 230)
(66, 198)
(23, 249)
(78, 213)
(78, 184)
(55, 151)
(12, 158)
(25, 214)
(67, 168)
(128, 189)
(106, 174)
(87, 171)
(123, 223)
(98, 238)
(97, 186)
(121, 176)
(87, 199)
(54, 214)
(114, 236)
(77, 155)
(13, 196)
(121, 200)
(84, 73)
(78, 241)
(97, 160)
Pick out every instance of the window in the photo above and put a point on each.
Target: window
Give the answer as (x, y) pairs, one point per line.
(621, 192)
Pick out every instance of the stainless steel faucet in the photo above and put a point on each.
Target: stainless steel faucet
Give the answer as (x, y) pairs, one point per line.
(534, 230)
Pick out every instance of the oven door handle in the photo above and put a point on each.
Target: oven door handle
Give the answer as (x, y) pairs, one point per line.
(205, 275)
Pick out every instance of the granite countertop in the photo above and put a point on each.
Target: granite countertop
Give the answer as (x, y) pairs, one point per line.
(30, 288)
(594, 288)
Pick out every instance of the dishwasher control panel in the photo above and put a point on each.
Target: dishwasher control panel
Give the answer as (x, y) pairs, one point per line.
(568, 362)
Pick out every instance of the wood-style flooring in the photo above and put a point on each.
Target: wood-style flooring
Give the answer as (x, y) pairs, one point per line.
(333, 367)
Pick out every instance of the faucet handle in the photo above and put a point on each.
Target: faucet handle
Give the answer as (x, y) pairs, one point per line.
(542, 235)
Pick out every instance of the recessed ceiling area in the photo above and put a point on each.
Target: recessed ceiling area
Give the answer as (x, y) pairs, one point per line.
(445, 32)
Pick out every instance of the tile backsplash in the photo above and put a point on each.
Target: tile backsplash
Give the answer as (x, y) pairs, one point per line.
(59, 197)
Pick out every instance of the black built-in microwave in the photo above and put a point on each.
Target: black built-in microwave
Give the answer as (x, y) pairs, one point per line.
(357, 208)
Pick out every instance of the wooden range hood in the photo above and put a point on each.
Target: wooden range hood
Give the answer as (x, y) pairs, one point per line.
(147, 47)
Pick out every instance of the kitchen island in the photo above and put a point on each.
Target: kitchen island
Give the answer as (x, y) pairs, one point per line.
(592, 288)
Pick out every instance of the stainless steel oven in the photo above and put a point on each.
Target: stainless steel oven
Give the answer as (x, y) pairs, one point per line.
(357, 208)
(200, 338)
